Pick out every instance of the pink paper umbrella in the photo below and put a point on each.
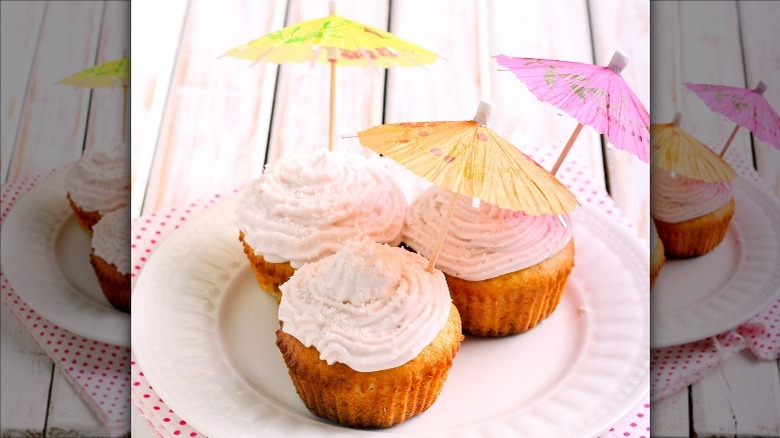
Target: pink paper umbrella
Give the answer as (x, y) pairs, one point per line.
(746, 107)
(593, 94)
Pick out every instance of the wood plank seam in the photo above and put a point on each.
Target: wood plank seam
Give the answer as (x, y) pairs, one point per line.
(276, 96)
(602, 139)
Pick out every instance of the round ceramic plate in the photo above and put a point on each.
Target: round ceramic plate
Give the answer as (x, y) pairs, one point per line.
(696, 298)
(45, 257)
(204, 333)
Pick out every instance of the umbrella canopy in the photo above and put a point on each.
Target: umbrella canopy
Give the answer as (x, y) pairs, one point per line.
(594, 95)
(675, 150)
(746, 107)
(334, 40)
(469, 158)
(114, 73)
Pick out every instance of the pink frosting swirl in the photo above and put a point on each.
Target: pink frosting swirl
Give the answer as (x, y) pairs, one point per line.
(369, 306)
(482, 242)
(304, 208)
(100, 180)
(676, 198)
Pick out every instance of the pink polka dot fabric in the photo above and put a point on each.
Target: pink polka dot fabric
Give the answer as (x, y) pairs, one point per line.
(149, 230)
(99, 372)
(673, 368)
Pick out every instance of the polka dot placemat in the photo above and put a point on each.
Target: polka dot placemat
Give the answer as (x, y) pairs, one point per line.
(149, 230)
(99, 372)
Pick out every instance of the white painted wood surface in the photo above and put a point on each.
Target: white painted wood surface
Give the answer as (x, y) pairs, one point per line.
(727, 43)
(46, 125)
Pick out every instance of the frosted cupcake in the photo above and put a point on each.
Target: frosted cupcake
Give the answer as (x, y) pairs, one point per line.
(656, 253)
(305, 208)
(368, 335)
(506, 270)
(691, 216)
(110, 257)
(99, 183)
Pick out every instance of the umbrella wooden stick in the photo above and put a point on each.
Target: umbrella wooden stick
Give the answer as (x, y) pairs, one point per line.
(728, 142)
(566, 148)
(124, 113)
(443, 233)
(331, 123)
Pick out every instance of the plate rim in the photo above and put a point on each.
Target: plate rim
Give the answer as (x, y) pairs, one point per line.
(638, 393)
(748, 313)
(110, 325)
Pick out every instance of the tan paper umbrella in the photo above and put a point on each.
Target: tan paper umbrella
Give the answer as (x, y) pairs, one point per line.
(468, 158)
(675, 150)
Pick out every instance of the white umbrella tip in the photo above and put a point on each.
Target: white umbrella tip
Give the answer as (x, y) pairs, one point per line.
(761, 87)
(618, 62)
(484, 112)
(677, 118)
(332, 7)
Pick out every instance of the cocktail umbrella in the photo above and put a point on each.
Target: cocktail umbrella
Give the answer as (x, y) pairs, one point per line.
(108, 74)
(333, 40)
(746, 107)
(594, 95)
(675, 150)
(468, 158)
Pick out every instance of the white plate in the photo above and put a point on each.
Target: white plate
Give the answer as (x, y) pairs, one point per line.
(700, 297)
(45, 256)
(204, 333)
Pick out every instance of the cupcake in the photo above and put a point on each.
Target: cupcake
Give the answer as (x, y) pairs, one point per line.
(99, 183)
(110, 257)
(506, 270)
(656, 253)
(368, 335)
(305, 208)
(691, 216)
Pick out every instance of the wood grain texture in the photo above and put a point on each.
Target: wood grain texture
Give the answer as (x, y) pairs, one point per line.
(105, 114)
(20, 25)
(53, 120)
(300, 118)
(217, 110)
(151, 75)
(670, 416)
(760, 31)
(625, 26)
(741, 397)
(69, 415)
(711, 54)
(25, 377)
(514, 28)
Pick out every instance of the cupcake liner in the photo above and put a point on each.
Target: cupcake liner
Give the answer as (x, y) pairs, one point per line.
(371, 399)
(696, 236)
(656, 261)
(269, 276)
(86, 219)
(115, 286)
(515, 302)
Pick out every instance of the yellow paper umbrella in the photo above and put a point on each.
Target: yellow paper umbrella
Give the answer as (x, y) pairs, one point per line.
(468, 158)
(675, 150)
(114, 73)
(333, 40)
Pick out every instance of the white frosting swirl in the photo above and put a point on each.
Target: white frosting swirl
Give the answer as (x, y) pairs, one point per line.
(369, 306)
(100, 180)
(111, 239)
(482, 242)
(305, 208)
(676, 198)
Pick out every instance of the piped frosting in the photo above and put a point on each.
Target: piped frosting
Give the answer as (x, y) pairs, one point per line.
(100, 180)
(306, 207)
(111, 239)
(369, 306)
(482, 242)
(676, 198)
